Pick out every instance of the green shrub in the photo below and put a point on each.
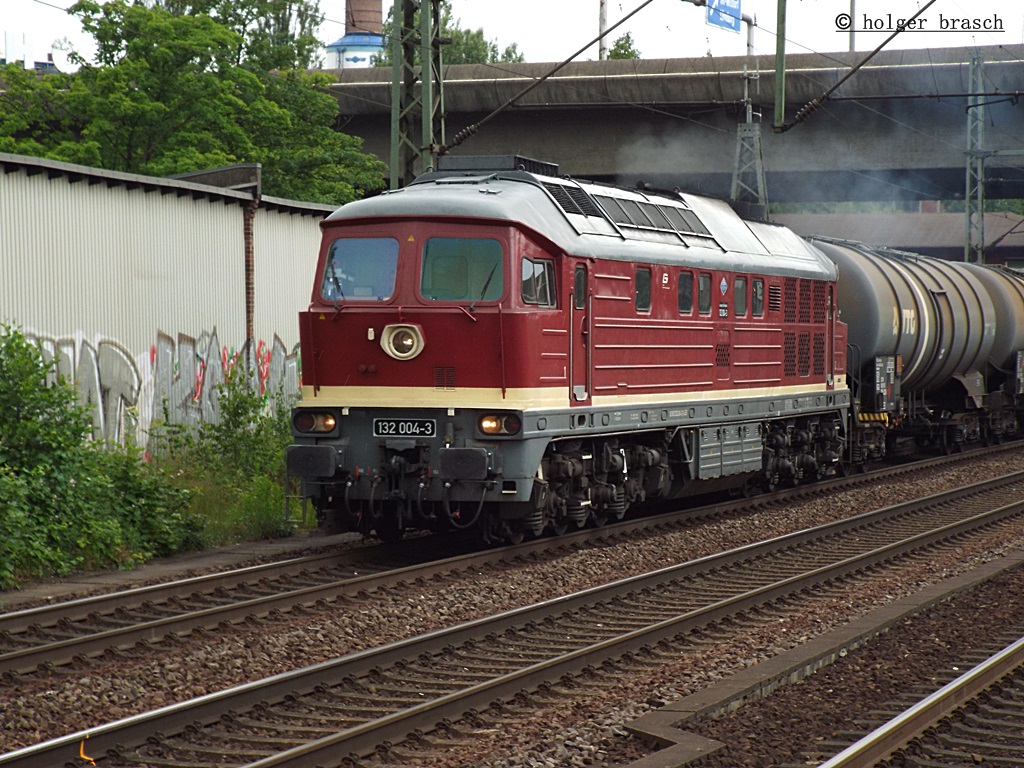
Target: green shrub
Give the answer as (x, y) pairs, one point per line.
(66, 501)
(234, 469)
(261, 510)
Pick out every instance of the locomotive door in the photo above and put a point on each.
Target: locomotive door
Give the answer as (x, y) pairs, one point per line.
(580, 343)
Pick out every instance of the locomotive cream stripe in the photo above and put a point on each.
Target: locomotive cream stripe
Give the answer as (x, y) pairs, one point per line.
(533, 398)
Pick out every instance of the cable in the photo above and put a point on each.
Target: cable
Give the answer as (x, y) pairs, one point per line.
(813, 104)
(469, 130)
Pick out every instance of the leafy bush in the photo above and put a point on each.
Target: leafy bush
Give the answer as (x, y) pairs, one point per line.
(66, 501)
(234, 469)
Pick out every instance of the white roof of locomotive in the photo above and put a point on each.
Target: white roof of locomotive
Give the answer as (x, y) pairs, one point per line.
(546, 206)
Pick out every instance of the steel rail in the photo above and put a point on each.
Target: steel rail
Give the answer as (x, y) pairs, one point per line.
(33, 657)
(81, 608)
(898, 732)
(208, 709)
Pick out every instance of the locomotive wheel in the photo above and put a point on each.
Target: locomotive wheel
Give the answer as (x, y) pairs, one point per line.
(514, 533)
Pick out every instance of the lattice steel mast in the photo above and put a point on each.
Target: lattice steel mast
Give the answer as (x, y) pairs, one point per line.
(974, 195)
(417, 92)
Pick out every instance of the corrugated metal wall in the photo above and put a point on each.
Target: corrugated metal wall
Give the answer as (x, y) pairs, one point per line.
(285, 259)
(80, 258)
(136, 286)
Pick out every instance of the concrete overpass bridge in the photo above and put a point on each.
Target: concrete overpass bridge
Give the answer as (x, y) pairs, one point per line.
(895, 131)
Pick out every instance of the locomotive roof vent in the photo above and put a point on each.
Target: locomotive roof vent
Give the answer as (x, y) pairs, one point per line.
(496, 163)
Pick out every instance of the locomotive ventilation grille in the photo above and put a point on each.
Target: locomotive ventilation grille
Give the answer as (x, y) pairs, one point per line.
(799, 359)
(573, 200)
(805, 301)
(631, 216)
(444, 378)
(820, 302)
(791, 299)
(774, 298)
(803, 354)
(722, 355)
(789, 353)
(819, 354)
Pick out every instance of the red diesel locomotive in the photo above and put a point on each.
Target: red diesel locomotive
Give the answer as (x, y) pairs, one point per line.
(513, 351)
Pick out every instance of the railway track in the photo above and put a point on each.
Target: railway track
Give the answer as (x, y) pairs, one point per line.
(350, 706)
(53, 635)
(973, 720)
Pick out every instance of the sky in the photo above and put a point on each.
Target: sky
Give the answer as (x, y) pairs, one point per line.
(554, 30)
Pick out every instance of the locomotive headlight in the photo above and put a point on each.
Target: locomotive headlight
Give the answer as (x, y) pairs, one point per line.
(313, 421)
(402, 342)
(500, 424)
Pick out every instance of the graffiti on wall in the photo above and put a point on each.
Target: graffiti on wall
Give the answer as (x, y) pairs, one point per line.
(177, 380)
(107, 379)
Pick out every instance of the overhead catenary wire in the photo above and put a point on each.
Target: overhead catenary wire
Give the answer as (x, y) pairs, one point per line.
(813, 104)
(469, 130)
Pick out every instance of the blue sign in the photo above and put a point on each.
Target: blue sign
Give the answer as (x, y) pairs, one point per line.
(725, 14)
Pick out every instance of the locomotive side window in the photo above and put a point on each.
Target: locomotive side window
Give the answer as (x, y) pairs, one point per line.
(462, 269)
(538, 283)
(643, 289)
(757, 302)
(360, 268)
(685, 293)
(704, 293)
(739, 296)
(579, 287)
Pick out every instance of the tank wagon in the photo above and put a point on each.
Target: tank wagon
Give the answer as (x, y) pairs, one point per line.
(509, 350)
(935, 349)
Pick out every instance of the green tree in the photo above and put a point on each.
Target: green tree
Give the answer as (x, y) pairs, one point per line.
(273, 34)
(623, 48)
(462, 46)
(167, 95)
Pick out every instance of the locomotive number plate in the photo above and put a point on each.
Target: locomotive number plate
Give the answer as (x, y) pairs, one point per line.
(404, 427)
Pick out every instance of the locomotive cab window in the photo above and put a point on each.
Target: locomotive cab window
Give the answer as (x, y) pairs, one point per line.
(685, 293)
(704, 293)
(757, 298)
(538, 283)
(462, 269)
(739, 297)
(643, 290)
(360, 269)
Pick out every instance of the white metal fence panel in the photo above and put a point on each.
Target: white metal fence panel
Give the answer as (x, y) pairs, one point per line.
(137, 287)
